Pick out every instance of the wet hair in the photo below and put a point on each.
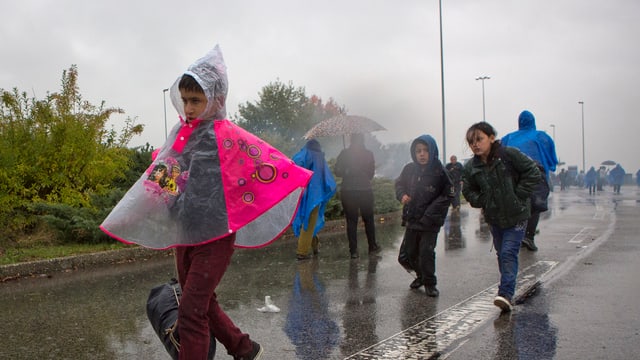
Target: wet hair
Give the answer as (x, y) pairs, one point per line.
(488, 130)
(188, 83)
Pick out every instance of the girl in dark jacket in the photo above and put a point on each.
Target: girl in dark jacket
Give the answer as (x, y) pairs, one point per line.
(426, 191)
(500, 181)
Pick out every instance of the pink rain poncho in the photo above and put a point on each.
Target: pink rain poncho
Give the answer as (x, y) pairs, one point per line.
(211, 178)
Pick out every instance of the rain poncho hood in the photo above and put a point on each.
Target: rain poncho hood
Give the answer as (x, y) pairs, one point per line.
(431, 146)
(211, 178)
(591, 177)
(321, 188)
(536, 144)
(617, 175)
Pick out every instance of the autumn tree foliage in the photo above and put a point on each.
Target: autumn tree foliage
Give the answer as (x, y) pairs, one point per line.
(283, 114)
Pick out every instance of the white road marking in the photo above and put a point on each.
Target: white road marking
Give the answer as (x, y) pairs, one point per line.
(432, 336)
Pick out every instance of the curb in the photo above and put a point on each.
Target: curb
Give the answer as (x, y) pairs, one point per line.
(43, 268)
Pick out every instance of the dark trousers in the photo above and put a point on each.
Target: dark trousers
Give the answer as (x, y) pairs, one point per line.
(532, 225)
(354, 202)
(421, 247)
(455, 203)
(200, 269)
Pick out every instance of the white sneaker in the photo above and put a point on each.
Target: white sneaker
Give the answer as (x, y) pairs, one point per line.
(502, 303)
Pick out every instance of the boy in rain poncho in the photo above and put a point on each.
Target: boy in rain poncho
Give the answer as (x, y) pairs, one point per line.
(233, 189)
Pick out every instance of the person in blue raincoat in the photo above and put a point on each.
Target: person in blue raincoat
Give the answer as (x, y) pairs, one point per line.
(309, 324)
(616, 176)
(322, 186)
(590, 180)
(638, 178)
(540, 147)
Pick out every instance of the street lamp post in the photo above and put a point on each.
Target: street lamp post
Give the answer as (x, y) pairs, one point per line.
(444, 131)
(583, 161)
(483, 78)
(164, 100)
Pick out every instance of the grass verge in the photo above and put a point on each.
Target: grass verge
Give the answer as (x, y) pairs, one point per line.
(44, 252)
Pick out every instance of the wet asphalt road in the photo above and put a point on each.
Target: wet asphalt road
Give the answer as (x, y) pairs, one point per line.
(333, 307)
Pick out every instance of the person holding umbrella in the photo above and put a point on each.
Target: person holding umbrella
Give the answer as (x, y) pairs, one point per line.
(356, 166)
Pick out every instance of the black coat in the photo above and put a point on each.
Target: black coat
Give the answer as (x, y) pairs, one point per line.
(431, 191)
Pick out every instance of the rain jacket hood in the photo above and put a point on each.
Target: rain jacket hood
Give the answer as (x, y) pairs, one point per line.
(617, 175)
(536, 144)
(431, 145)
(210, 179)
(429, 187)
(526, 121)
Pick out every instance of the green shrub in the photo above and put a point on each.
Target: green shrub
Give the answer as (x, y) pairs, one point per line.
(383, 194)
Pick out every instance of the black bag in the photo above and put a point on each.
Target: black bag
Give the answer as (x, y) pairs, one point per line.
(540, 192)
(162, 311)
(403, 257)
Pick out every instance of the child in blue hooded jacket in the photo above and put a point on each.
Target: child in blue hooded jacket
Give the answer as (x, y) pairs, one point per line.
(425, 190)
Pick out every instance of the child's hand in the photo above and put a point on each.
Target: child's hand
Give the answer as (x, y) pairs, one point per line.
(405, 199)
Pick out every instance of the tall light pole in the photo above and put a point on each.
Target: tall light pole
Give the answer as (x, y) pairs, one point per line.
(554, 133)
(483, 78)
(583, 162)
(164, 99)
(444, 131)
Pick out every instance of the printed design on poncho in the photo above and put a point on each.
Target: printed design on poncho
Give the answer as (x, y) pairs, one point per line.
(165, 178)
(265, 172)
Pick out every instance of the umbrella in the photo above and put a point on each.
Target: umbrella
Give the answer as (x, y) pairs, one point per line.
(343, 125)
(608, 162)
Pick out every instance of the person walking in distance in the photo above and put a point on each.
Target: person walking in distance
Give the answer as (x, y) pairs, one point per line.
(356, 166)
(455, 171)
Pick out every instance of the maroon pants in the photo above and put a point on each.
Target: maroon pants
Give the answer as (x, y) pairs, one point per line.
(200, 269)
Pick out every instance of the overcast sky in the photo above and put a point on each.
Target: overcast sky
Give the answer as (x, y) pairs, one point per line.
(379, 58)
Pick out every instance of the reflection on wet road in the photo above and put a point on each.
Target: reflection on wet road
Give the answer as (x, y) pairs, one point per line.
(332, 307)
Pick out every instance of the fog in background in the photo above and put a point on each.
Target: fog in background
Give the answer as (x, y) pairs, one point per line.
(378, 58)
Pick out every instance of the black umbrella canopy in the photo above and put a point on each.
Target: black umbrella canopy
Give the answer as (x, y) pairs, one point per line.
(608, 163)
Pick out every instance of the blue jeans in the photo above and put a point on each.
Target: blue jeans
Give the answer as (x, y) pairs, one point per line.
(507, 244)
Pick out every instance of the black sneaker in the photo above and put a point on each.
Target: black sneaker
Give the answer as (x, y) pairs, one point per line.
(529, 244)
(415, 284)
(255, 353)
(354, 255)
(431, 291)
(375, 249)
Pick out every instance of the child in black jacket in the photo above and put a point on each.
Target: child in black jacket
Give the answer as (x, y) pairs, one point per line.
(426, 191)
